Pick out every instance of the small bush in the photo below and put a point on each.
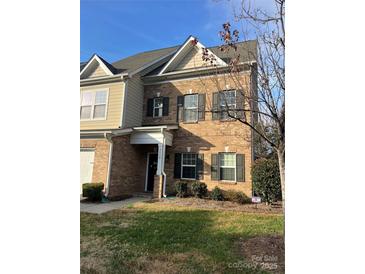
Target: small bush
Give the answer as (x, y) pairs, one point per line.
(217, 194)
(198, 189)
(181, 189)
(93, 191)
(237, 197)
(266, 179)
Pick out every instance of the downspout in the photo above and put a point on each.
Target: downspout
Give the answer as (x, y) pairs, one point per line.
(163, 166)
(109, 139)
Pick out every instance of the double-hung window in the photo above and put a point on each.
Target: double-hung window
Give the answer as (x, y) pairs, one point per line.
(191, 108)
(93, 105)
(227, 103)
(188, 165)
(157, 107)
(227, 166)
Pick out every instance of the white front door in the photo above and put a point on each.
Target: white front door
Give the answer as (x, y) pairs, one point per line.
(86, 166)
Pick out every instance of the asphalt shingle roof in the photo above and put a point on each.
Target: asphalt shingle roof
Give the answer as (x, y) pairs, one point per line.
(247, 51)
(138, 60)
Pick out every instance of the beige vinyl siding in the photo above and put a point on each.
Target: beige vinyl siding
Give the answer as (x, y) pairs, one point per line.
(134, 102)
(114, 106)
(193, 59)
(95, 71)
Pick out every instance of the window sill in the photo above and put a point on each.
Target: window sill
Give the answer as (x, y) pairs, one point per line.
(227, 120)
(188, 179)
(227, 182)
(97, 119)
(192, 122)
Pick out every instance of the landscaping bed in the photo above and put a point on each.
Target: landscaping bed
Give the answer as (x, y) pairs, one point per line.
(220, 205)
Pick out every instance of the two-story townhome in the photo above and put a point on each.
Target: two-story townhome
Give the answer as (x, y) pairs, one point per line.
(152, 119)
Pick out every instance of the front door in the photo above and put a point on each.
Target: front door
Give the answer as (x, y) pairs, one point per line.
(151, 172)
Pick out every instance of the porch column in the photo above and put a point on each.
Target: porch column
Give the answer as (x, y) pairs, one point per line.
(158, 180)
(161, 158)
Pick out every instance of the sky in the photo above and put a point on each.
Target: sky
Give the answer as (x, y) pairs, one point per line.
(115, 29)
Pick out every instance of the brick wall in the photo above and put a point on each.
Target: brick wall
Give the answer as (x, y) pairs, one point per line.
(206, 137)
(101, 158)
(128, 167)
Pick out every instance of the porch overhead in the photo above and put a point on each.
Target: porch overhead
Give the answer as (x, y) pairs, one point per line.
(153, 135)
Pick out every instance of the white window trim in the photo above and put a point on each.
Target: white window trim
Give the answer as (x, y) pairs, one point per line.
(192, 108)
(229, 105)
(93, 91)
(154, 116)
(235, 167)
(182, 165)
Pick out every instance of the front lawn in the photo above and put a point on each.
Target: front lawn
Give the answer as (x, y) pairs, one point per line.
(150, 238)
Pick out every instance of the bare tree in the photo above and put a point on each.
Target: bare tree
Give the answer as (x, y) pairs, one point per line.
(263, 108)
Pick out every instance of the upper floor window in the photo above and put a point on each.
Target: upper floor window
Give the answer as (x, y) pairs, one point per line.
(227, 101)
(93, 105)
(191, 108)
(157, 107)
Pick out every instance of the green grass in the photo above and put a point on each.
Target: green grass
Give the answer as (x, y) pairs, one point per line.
(152, 239)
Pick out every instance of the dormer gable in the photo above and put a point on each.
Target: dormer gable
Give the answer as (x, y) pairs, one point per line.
(96, 67)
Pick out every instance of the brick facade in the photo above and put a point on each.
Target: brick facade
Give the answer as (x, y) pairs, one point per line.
(204, 137)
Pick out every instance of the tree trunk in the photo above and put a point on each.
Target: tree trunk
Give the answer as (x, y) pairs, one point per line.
(281, 159)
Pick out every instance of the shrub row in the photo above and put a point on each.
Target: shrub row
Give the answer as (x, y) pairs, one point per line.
(200, 190)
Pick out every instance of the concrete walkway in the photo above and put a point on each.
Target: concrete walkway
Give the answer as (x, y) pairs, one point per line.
(105, 207)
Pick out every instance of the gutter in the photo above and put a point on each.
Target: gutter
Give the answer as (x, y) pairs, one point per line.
(109, 139)
(103, 79)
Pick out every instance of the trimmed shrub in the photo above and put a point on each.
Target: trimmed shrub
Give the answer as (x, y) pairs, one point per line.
(181, 189)
(266, 179)
(217, 194)
(237, 197)
(93, 191)
(199, 190)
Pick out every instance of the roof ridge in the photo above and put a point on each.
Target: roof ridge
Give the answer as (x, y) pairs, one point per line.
(144, 52)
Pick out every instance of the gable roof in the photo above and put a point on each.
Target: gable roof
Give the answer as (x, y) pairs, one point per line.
(182, 51)
(104, 65)
(247, 51)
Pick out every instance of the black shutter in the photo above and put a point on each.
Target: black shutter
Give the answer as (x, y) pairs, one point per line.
(177, 168)
(215, 106)
(240, 104)
(180, 108)
(165, 109)
(215, 167)
(240, 167)
(201, 102)
(150, 107)
(200, 167)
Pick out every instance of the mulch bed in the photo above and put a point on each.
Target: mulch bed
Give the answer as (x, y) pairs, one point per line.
(221, 205)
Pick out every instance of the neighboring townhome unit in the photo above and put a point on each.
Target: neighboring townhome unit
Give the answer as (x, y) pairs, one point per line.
(158, 117)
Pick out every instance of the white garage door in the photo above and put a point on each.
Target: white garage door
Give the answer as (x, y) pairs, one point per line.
(86, 166)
